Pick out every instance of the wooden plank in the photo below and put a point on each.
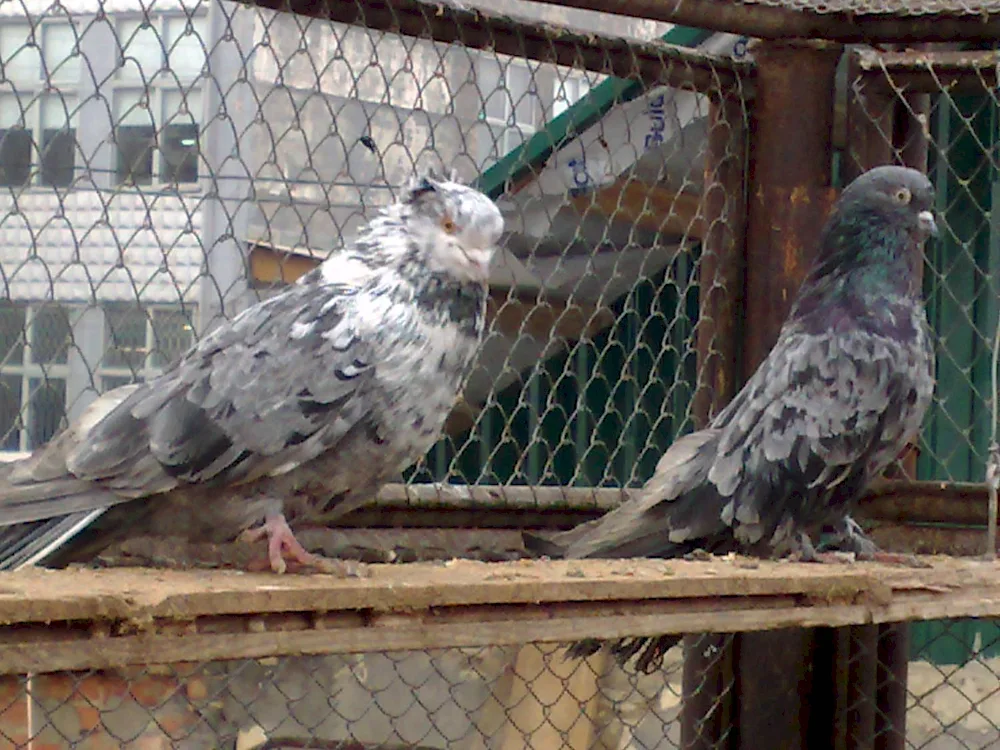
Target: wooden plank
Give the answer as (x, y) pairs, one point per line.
(652, 207)
(83, 619)
(44, 595)
(26, 650)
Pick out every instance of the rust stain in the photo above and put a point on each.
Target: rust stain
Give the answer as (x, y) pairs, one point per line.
(792, 257)
(800, 194)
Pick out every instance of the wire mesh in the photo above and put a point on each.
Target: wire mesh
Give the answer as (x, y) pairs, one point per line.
(938, 110)
(493, 697)
(223, 150)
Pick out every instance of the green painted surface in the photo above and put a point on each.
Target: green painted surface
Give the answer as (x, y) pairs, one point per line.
(561, 130)
(961, 292)
(600, 413)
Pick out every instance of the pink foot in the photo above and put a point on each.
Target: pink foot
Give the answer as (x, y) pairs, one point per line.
(283, 547)
(899, 558)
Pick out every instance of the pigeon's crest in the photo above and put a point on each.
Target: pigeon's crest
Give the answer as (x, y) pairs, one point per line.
(455, 228)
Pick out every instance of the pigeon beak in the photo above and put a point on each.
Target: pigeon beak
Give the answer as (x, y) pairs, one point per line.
(927, 223)
(479, 262)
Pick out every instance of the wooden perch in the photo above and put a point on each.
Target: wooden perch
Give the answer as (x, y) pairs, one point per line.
(85, 619)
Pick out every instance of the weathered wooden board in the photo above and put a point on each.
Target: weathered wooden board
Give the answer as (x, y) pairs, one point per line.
(88, 619)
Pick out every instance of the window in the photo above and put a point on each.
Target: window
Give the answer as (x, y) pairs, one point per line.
(141, 342)
(511, 105)
(158, 101)
(34, 348)
(35, 341)
(568, 91)
(37, 118)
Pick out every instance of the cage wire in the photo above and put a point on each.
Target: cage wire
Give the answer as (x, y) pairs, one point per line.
(224, 150)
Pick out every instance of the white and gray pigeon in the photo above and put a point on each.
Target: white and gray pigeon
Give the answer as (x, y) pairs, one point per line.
(840, 395)
(298, 408)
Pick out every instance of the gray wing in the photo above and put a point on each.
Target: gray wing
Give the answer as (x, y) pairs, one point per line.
(260, 396)
(815, 415)
(819, 418)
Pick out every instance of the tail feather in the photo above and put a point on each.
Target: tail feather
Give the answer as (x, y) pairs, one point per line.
(676, 511)
(51, 499)
(29, 543)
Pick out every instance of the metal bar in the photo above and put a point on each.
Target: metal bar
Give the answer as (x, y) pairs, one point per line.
(862, 654)
(927, 71)
(927, 540)
(773, 22)
(708, 659)
(926, 502)
(891, 676)
(900, 501)
(650, 62)
(790, 195)
(828, 722)
(774, 678)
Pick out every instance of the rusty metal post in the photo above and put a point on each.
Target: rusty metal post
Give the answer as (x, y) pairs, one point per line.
(870, 124)
(790, 196)
(910, 137)
(720, 273)
(891, 676)
(708, 658)
(862, 668)
(790, 192)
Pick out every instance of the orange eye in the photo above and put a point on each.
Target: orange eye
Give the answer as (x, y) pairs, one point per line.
(449, 226)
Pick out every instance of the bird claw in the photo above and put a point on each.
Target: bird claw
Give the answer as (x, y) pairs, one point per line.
(284, 549)
(806, 552)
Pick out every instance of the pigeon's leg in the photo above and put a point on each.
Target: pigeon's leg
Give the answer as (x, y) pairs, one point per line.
(850, 537)
(807, 553)
(283, 547)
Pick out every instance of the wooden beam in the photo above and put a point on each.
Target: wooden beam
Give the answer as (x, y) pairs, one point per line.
(929, 71)
(651, 207)
(497, 31)
(86, 619)
(270, 266)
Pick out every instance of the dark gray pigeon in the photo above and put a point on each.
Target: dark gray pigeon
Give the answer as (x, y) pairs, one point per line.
(300, 407)
(842, 392)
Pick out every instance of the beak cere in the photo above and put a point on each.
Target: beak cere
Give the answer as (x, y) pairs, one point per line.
(927, 223)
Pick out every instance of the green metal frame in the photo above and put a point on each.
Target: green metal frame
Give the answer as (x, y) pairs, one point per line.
(961, 290)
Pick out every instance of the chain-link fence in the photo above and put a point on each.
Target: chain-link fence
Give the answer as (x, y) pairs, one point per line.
(163, 167)
(153, 660)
